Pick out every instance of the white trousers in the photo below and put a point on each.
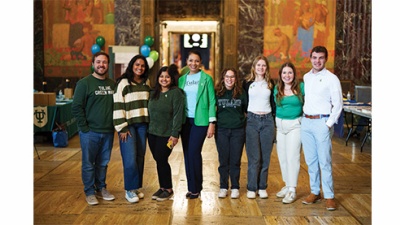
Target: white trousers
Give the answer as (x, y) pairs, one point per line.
(288, 146)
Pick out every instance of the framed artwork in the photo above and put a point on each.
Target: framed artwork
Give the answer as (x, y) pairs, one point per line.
(293, 27)
(72, 30)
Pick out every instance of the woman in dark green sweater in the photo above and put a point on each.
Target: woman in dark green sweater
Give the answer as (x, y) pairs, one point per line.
(166, 111)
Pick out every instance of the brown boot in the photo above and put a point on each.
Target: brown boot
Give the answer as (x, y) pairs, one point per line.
(330, 204)
(311, 198)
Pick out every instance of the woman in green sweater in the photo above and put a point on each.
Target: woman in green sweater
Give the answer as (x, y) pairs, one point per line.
(288, 96)
(131, 120)
(166, 111)
(230, 130)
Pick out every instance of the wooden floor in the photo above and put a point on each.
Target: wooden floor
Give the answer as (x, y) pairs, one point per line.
(59, 196)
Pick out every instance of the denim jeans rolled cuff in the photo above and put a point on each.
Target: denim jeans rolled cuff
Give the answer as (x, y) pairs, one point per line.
(260, 135)
(96, 153)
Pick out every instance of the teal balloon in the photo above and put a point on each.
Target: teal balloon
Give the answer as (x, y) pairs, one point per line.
(95, 48)
(154, 55)
(100, 41)
(149, 40)
(145, 50)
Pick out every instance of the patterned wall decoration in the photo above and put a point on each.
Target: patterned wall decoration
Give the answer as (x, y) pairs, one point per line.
(293, 27)
(38, 62)
(353, 41)
(71, 28)
(251, 33)
(127, 22)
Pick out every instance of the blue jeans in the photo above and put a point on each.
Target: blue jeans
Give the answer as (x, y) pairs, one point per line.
(317, 148)
(96, 153)
(192, 143)
(260, 135)
(133, 152)
(230, 144)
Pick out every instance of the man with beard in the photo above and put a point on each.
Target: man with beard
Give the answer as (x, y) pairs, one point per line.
(93, 109)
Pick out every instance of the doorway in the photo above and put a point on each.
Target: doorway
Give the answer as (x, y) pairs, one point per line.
(179, 37)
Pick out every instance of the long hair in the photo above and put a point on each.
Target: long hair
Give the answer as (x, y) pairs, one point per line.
(220, 88)
(129, 70)
(267, 76)
(295, 84)
(172, 71)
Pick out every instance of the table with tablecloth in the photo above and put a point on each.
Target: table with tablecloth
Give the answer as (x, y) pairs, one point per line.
(46, 117)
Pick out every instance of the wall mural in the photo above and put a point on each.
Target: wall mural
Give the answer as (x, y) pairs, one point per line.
(293, 27)
(73, 31)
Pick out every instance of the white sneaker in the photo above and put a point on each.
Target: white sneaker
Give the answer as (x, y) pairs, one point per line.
(139, 194)
(131, 196)
(92, 200)
(235, 193)
(251, 194)
(289, 197)
(222, 193)
(282, 192)
(263, 193)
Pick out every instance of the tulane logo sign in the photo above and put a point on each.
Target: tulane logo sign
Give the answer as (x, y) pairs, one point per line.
(40, 116)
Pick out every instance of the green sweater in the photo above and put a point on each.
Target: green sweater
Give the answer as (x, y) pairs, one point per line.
(231, 112)
(166, 113)
(130, 104)
(92, 105)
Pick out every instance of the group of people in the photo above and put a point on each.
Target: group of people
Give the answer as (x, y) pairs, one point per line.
(237, 113)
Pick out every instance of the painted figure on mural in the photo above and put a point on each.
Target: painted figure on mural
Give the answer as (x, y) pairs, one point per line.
(283, 45)
(303, 28)
(79, 15)
(321, 31)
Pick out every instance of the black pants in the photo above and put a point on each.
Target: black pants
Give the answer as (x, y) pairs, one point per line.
(160, 151)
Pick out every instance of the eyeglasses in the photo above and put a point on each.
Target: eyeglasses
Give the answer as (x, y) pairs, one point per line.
(229, 77)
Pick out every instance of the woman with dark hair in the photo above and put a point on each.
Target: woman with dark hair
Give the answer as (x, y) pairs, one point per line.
(289, 98)
(131, 120)
(200, 120)
(230, 130)
(166, 111)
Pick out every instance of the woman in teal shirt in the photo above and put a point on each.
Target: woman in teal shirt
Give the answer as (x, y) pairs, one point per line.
(288, 95)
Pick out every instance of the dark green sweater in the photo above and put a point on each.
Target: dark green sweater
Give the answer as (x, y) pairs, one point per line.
(92, 104)
(231, 112)
(166, 113)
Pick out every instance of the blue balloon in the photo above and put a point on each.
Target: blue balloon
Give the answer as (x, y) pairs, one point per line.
(95, 48)
(145, 50)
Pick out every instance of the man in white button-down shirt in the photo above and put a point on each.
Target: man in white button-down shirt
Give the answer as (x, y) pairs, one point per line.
(322, 107)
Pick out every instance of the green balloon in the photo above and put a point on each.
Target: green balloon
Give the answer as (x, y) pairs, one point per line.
(149, 40)
(100, 41)
(154, 55)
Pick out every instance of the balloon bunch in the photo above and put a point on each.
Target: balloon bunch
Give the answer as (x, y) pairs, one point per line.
(100, 41)
(151, 55)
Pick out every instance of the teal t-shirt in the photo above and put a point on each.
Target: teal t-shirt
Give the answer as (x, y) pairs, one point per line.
(290, 107)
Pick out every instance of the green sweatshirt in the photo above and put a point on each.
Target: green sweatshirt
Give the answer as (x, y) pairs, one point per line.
(166, 113)
(92, 104)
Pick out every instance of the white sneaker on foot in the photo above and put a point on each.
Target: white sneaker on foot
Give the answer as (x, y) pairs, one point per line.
(251, 194)
(139, 194)
(92, 200)
(104, 194)
(289, 197)
(282, 192)
(222, 193)
(131, 196)
(263, 193)
(235, 193)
